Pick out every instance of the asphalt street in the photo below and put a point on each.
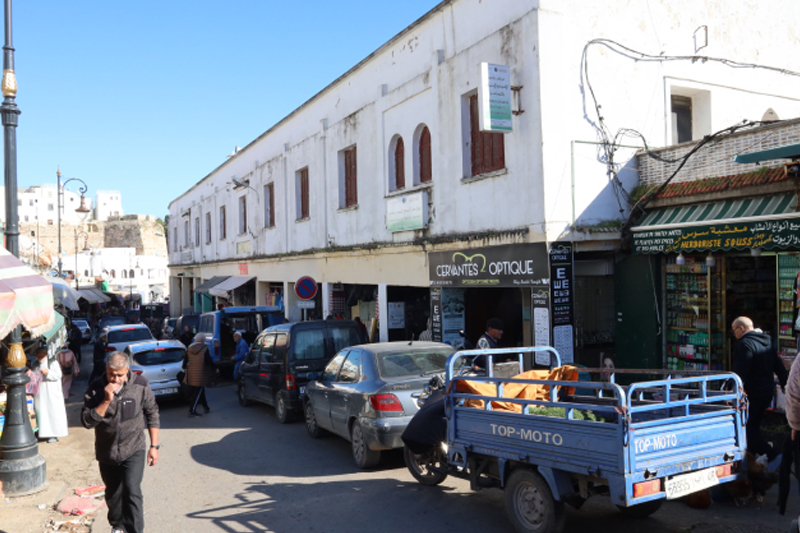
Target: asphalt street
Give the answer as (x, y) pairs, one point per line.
(238, 470)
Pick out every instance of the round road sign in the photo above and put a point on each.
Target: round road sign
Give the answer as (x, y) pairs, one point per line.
(305, 288)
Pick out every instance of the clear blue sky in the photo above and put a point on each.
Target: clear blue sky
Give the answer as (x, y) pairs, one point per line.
(148, 97)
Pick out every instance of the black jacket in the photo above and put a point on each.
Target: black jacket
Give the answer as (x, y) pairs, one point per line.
(120, 433)
(755, 360)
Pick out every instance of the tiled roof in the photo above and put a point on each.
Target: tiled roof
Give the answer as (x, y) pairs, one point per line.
(762, 176)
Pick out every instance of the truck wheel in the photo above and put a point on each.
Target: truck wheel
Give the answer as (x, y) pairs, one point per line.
(362, 455)
(314, 431)
(281, 411)
(643, 510)
(244, 401)
(530, 505)
(427, 468)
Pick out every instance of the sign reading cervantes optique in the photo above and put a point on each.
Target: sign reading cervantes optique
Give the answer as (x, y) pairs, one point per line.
(742, 235)
(517, 265)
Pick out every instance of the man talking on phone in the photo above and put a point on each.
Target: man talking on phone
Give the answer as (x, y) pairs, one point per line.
(118, 406)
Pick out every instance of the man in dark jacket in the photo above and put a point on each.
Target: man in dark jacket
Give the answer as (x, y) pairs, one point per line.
(75, 341)
(99, 357)
(488, 341)
(117, 407)
(756, 362)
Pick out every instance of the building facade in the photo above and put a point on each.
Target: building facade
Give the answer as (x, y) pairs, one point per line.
(108, 204)
(386, 188)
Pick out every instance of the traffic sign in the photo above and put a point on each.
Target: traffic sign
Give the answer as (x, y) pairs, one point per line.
(305, 288)
(306, 304)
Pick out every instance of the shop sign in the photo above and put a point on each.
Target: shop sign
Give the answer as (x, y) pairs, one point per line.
(306, 304)
(518, 265)
(768, 235)
(397, 315)
(436, 314)
(243, 247)
(563, 296)
(243, 269)
(453, 316)
(407, 212)
(494, 98)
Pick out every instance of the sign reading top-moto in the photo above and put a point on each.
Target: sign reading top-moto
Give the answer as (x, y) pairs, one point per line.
(519, 265)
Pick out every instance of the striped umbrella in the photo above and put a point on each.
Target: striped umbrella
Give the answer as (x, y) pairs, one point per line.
(26, 298)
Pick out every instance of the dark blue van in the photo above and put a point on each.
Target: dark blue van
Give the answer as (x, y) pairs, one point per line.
(219, 327)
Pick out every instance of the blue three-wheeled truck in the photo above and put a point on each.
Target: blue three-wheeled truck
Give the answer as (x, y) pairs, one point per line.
(552, 441)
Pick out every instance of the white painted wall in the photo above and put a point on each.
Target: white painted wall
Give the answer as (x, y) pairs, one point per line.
(109, 203)
(553, 178)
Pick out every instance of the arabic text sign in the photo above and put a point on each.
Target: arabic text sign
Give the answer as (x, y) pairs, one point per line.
(407, 212)
(774, 234)
(519, 265)
(494, 98)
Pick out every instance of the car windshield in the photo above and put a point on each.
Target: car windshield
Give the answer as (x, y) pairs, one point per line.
(412, 363)
(171, 322)
(159, 356)
(80, 323)
(129, 335)
(113, 321)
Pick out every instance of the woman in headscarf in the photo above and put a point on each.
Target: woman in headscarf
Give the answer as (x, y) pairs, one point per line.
(69, 368)
(199, 371)
(51, 415)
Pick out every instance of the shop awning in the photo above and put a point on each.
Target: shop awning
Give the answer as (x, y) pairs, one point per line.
(210, 284)
(234, 282)
(93, 296)
(769, 222)
(64, 294)
(26, 298)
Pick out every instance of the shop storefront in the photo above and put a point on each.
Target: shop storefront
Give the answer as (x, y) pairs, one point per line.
(719, 261)
(527, 286)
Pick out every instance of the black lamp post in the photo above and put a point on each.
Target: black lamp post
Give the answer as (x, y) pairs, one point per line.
(82, 209)
(85, 249)
(22, 469)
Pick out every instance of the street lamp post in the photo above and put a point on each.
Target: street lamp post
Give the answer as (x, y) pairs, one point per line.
(22, 469)
(85, 249)
(81, 210)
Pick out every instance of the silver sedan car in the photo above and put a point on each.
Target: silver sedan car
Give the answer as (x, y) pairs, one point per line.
(367, 394)
(159, 362)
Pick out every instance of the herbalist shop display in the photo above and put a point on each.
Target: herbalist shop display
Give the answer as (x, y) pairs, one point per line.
(788, 268)
(693, 340)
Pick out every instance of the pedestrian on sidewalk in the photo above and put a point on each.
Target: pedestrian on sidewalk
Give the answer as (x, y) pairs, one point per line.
(791, 443)
(241, 352)
(99, 357)
(199, 371)
(756, 362)
(51, 415)
(69, 369)
(75, 341)
(119, 406)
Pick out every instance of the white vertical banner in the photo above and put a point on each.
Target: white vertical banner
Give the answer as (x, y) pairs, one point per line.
(494, 98)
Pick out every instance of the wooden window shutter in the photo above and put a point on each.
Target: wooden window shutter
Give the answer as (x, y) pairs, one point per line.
(488, 149)
(399, 166)
(350, 177)
(425, 170)
(271, 204)
(304, 193)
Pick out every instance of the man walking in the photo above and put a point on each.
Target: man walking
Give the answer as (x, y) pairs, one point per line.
(755, 361)
(118, 406)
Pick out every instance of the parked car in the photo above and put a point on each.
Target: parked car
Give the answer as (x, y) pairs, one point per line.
(219, 327)
(86, 329)
(367, 394)
(168, 327)
(119, 337)
(159, 362)
(283, 359)
(193, 321)
(107, 321)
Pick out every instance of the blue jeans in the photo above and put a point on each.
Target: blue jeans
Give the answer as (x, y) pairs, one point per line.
(124, 492)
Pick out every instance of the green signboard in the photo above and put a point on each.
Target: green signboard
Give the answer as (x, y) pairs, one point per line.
(768, 235)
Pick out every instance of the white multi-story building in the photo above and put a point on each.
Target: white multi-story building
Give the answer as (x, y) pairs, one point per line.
(126, 273)
(109, 203)
(384, 184)
(41, 202)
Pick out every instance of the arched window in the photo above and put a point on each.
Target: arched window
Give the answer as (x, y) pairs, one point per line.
(113, 273)
(131, 274)
(425, 170)
(124, 273)
(399, 164)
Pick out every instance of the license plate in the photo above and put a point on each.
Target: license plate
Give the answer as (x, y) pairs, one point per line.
(679, 486)
(162, 392)
(302, 391)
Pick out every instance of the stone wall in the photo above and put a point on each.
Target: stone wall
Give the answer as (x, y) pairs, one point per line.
(716, 159)
(139, 231)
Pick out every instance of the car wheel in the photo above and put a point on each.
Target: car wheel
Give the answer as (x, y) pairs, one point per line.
(530, 505)
(281, 411)
(362, 455)
(314, 431)
(244, 401)
(428, 468)
(643, 510)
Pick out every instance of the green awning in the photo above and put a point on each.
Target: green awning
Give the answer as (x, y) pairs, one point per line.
(769, 222)
(784, 152)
